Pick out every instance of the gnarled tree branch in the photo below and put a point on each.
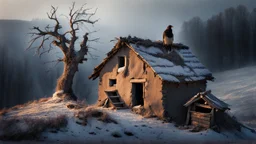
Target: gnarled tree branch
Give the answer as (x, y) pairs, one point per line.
(66, 44)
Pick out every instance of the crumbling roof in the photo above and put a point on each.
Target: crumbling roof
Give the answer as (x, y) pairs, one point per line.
(177, 65)
(210, 99)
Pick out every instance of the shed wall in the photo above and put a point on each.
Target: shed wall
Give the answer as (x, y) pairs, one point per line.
(176, 95)
(135, 69)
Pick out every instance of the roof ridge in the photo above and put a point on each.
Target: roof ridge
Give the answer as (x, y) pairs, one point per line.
(206, 92)
(148, 43)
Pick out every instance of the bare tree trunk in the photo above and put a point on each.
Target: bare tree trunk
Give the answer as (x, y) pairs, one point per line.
(65, 81)
(66, 44)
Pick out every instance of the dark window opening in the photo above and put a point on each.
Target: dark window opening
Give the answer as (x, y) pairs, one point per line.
(121, 61)
(202, 110)
(112, 82)
(137, 93)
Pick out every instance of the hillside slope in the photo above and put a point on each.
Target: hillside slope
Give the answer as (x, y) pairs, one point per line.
(129, 128)
(238, 88)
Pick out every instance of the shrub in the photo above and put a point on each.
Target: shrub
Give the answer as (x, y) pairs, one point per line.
(3, 111)
(29, 128)
(74, 106)
(92, 111)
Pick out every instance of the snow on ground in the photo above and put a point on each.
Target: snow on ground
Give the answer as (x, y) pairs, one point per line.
(238, 88)
(144, 130)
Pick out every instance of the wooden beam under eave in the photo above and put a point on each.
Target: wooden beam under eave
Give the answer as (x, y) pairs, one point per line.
(138, 80)
(204, 106)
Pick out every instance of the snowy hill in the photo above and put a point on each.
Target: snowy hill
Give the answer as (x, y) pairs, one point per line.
(235, 87)
(129, 127)
(238, 88)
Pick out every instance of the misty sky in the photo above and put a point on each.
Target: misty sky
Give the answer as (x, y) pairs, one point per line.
(143, 18)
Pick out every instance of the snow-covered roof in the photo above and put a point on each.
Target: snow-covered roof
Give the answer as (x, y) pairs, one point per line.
(176, 65)
(210, 99)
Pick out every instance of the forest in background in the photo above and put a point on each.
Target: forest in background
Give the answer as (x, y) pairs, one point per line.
(224, 41)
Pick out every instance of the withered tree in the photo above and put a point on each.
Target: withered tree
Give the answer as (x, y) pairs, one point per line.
(65, 41)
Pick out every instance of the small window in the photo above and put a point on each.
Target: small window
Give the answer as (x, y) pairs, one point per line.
(112, 82)
(121, 61)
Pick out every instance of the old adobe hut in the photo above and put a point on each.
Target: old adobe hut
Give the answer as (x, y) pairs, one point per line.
(142, 72)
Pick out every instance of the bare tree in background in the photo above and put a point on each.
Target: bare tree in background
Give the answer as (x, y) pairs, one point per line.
(65, 41)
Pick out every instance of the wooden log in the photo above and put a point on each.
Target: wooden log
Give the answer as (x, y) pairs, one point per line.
(203, 122)
(200, 114)
(195, 123)
(202, 118)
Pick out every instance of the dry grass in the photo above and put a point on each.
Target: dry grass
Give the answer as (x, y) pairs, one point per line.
(92, 111)
(77, 105)
(29, 128)
(142, 111)
(4, 111)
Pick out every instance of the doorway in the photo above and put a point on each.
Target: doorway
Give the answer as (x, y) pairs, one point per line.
(137, 94)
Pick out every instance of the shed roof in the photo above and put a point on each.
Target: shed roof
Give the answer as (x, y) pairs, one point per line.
(210, 99)
(178, 65)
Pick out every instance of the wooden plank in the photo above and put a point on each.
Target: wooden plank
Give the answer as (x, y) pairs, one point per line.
(138, 80)
(201, 121)
(192, 100)
(117, 103)
(197, 115)
(202, 105)
(200, 114)
(200, 118)
(195, 123)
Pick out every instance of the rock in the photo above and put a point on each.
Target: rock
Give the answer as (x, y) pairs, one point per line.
(128, 133)
(116, 134)
(92, 133)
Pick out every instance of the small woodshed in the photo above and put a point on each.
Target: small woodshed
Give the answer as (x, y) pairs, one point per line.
(203, 109)
(143, 73)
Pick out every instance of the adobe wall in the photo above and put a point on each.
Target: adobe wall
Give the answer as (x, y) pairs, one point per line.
(175, 96)
(136, 69)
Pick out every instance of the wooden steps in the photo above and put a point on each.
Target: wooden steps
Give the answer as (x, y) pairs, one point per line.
(115, 99)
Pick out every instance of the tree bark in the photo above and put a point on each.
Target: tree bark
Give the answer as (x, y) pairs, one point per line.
(65, 81)
(67, 45)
